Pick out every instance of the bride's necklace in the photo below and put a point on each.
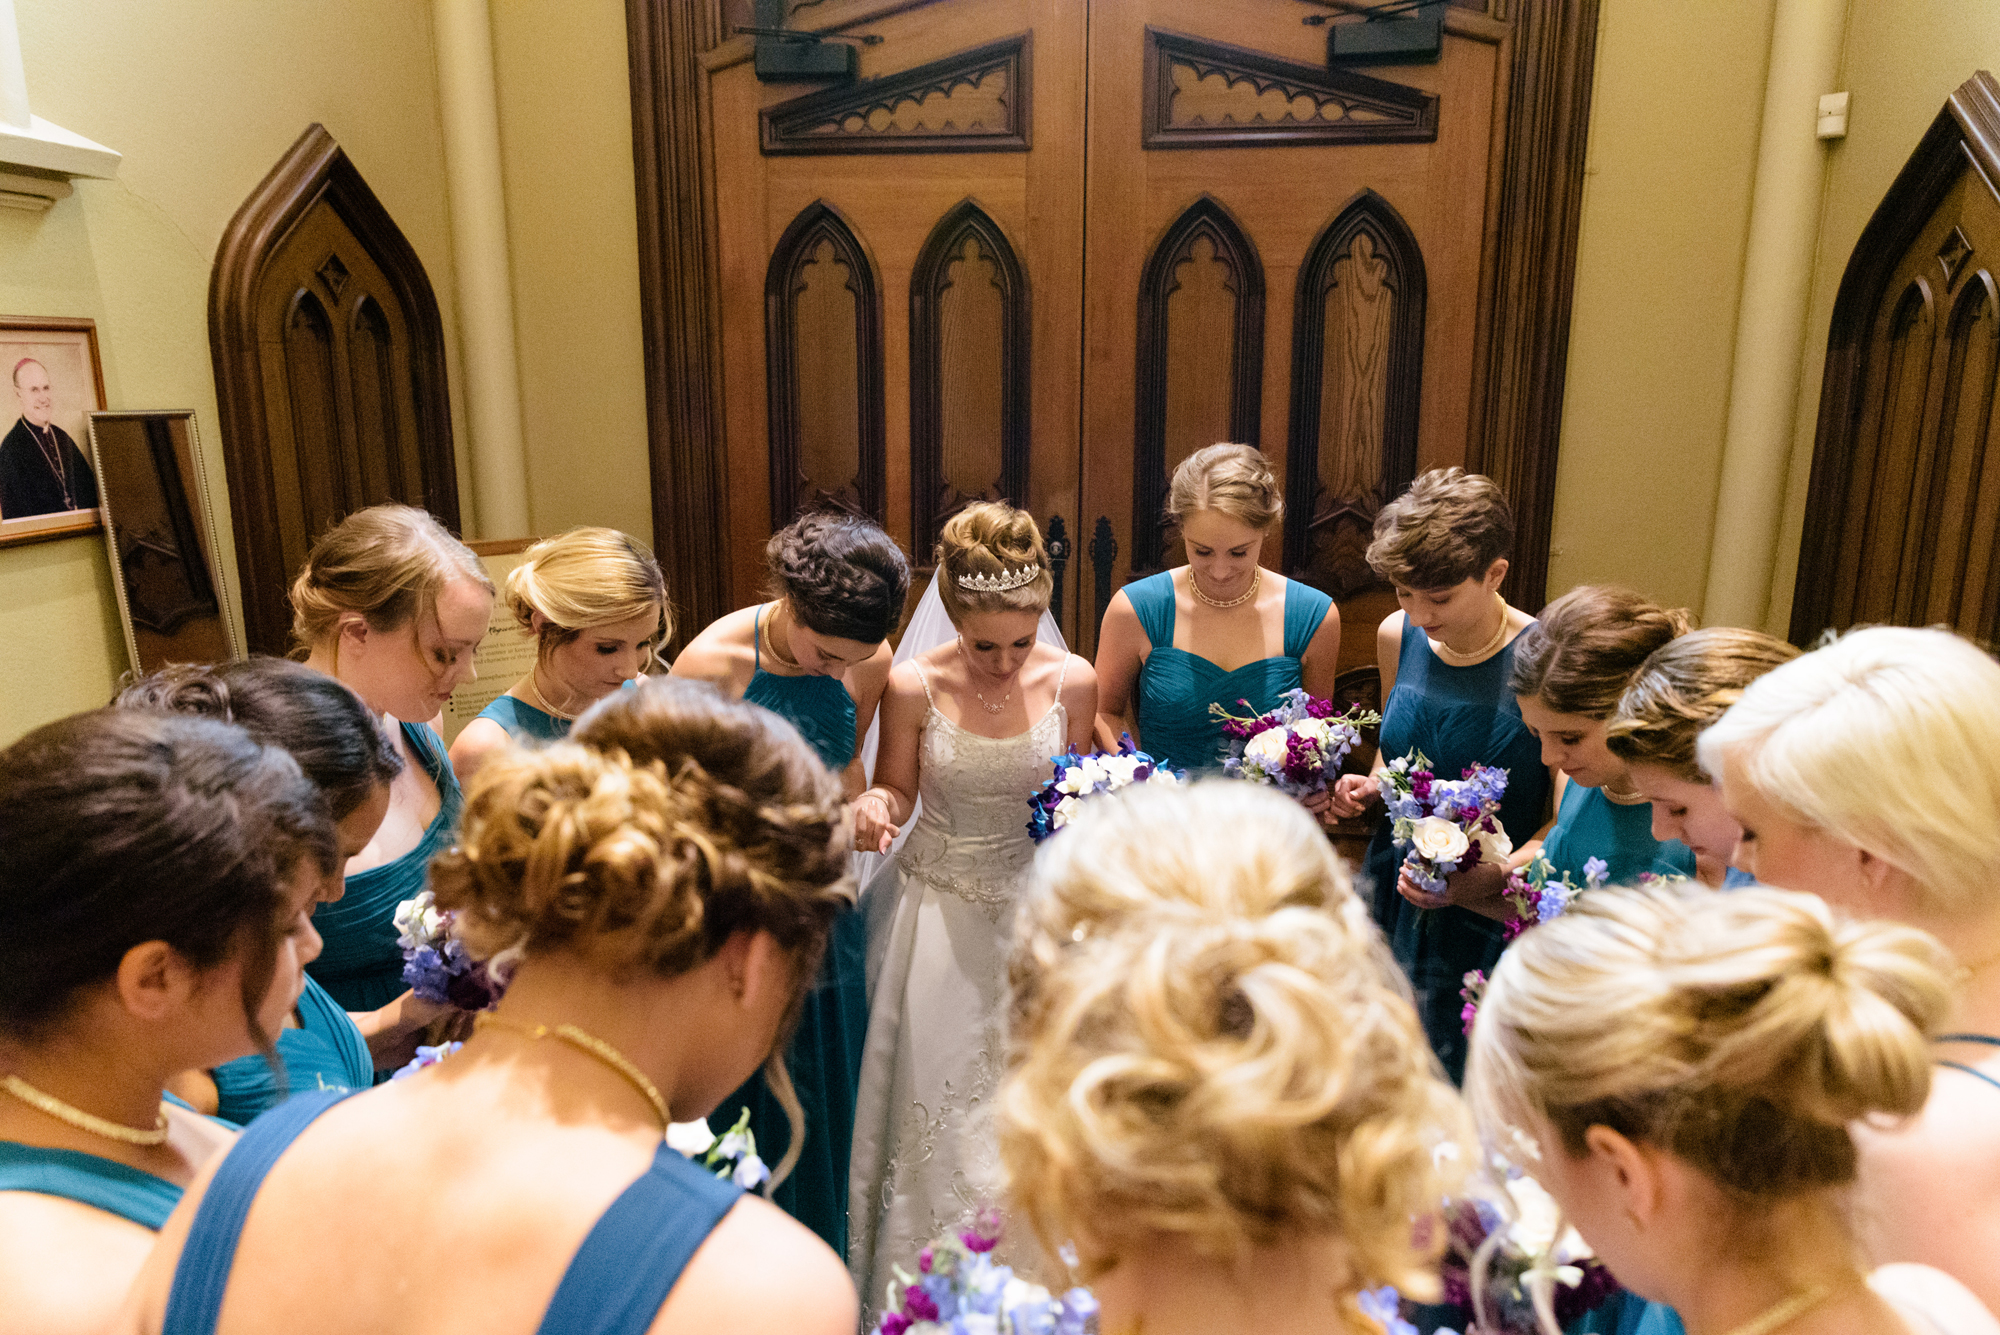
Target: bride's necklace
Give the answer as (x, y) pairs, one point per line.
(541, 702)
(1454, 658)
(983, 703)
(1787, 1310)
(1256, 581)
(591, 1046)
(81, 1120)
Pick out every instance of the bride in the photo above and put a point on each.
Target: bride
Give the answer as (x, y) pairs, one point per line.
(970, 725)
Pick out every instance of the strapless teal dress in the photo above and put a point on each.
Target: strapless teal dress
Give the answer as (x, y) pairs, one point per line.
(112, 1187)
(824, 1058)
(361, 965)
(525, 723)
(326, 1051)
(1175, 687)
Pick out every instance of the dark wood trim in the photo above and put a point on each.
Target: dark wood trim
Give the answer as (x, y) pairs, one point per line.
(1966, 132)
(1525, 302)
(680, 306)
(798, 127)
(313, 170)
(1206, 217)
(1407, 114)
(930, 498)
(791, 489)
(1370, 213)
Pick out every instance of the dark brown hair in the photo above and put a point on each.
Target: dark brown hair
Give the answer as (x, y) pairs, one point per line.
(1449, 527)
(119, 827)
(841, 576)
(1579, 656)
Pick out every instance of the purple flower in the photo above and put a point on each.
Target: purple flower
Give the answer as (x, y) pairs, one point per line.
(975, 1242)
(1386, 1306)
(893, 1323)
(1079, 1306)
(918, 1305)
(925, 1259)
(1595, 871)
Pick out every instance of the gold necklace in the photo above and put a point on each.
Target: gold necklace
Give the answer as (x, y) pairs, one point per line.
(1787, 1310)
(991, 709)
(771, 638)
(1256, 581)
(591, 1046)
(541, 702)
(1453, 658)
(83, 1121)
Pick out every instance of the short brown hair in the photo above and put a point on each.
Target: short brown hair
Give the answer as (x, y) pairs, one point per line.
(1449, 527)
(1235, 480)
(1684, 686)
(1580, 655)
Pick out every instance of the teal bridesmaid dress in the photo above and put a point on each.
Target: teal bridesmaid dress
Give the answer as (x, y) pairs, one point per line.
(525, 723)
(1176, 687)
(361, 965)
(1590, 825)
(112, 1187)
(326, 1051)
(824, 1058)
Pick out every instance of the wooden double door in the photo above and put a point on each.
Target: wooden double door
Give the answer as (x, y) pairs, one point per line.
(1045, 249)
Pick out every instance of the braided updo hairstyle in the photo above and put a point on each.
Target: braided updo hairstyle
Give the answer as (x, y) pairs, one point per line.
(1208, 1042)
(990, 538)
(1578, 656)
(840, 576)
(1742, 1033)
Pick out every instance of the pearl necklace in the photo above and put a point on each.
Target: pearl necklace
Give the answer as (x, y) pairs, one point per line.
(541, 702)
(1454, 658)
(83, 1121)
(591, 1046)
(989, 708)
(1256, 582)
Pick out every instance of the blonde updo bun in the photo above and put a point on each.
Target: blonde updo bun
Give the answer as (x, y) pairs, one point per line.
(1209, 1043)
(988, 538)
(387, 562)
(587, 577)
(1740, 1032)
(1235, 480)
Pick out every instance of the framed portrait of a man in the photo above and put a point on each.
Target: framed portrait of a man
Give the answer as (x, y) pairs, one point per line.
(54, 381)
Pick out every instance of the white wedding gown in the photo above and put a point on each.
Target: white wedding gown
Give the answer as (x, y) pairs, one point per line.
(924, 1152)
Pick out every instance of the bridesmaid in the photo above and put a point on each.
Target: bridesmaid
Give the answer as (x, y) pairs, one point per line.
(157, 877)
(1570, 669)
(596, 603)
(393, 606)
(1445, 658)
(1218, 630)
(1686, 685)
(347, 756)
(817, 655)
(663, 917)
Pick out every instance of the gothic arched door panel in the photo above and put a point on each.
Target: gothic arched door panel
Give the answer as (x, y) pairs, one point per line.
(329, 367)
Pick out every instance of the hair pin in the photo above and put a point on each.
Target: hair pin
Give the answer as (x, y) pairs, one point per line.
(1002, 582)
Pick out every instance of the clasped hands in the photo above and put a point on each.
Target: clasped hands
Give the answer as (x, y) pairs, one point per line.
(875, 827)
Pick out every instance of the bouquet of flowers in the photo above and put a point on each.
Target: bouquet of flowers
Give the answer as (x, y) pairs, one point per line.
(1077, 777)
(1446, 825)
(1512, 1266)
(1297, 747)
(959, 1290)
(436, 964)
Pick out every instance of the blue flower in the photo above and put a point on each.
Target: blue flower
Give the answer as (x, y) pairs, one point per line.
(1595, 871)
(941, 1292)
(1386, 1306)
(1551, 904)
(1079, 1307)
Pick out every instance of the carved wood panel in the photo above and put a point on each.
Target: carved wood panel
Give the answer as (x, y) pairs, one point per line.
(1357, 382)
(1903, 511)
(968, 371)
(330, 371)
(973, 101)
(1200, 358)
(1206, 94)
(823, 322)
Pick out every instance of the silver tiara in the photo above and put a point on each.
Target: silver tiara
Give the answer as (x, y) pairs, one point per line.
(1002, 582)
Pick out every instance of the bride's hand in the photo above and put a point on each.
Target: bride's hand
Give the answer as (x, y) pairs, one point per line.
(873, 830)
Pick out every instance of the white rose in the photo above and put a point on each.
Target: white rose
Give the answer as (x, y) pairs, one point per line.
(1316, 730)
(1494, 845)
(1267, 747)
(1066, 811)
(1439, 839)
(691, 1138)
(1537, 1216)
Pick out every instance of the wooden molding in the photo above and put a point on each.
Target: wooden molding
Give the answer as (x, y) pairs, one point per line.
(1965, 133)
(680, 306)
(1206, 217)
(1371, 215)
(1348, 107)
(313, 170)
(791, 490)
(944, 106)
(931, 496)
(1524, 307)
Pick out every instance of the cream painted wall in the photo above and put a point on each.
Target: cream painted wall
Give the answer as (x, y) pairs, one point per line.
(201, 100)
(1674, 118)
(566, 142)
(1902, 60)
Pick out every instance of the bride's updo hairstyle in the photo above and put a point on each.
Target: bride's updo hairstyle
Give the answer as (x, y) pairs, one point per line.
(1852, 739)
(989, 539)
(1582, 650)
(841, 576)
(1741, 1033)
(1683, 687)
(1235, 480)
(586, 577)
(387, 562)
(1208, 1043)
